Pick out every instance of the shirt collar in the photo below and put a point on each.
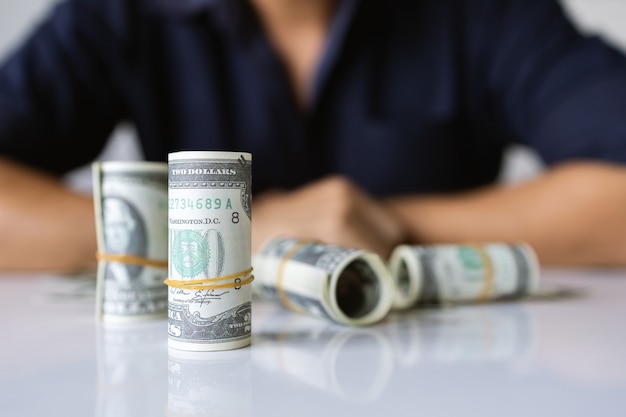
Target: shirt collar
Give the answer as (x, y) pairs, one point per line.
(344, 15)
(231, 16)
(187, 7)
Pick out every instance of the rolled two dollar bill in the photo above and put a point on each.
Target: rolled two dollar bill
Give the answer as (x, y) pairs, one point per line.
(130, 201)
(436, 274)
(209, 219)
(345, 285)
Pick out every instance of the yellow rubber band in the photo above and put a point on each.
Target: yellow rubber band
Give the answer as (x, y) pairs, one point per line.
(212, 283)
(485, 293)
(282, 294)
(130, 259)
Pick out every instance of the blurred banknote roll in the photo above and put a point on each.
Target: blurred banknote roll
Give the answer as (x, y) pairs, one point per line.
(462, 273)
(130, 200)
(209, 302)
(345, 285)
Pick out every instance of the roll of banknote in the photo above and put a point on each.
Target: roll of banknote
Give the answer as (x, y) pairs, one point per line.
(209, 302)
(345, 285)
(130, 200)
(462, 273)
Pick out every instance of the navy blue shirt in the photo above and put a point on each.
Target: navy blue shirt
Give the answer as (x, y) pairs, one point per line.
(410, 95)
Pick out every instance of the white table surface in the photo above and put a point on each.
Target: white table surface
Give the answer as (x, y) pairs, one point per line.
(564, 357)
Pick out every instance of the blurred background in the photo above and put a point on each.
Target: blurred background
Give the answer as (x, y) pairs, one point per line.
(604, 17)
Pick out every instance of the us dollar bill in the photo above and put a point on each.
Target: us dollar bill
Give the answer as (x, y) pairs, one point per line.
(345, 285)
(130, 201)
(209, 219)
(434, 274)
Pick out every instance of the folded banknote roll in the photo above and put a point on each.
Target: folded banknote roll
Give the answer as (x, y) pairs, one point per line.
(436, 274)
(345, 285)
(209, 218)
(130, 200)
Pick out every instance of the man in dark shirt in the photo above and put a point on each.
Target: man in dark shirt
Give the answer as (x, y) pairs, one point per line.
(371, 123)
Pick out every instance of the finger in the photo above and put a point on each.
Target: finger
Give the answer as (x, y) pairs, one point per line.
(384, 225)
(358, 230)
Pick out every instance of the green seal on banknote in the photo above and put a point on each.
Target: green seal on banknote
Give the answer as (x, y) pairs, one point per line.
(470, 257)
(190, 253)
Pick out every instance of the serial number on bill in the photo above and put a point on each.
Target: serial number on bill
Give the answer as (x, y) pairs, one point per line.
(200, 204)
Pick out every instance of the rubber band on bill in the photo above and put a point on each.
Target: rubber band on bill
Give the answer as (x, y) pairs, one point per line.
(282, 294)
(130, 259)
(485, 293)
(236, 281)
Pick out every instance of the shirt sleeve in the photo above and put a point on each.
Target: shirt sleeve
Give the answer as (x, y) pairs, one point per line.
(58, 101)
(541, 83)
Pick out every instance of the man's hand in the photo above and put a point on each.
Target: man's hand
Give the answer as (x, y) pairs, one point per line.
(574, 214)
(332, 210)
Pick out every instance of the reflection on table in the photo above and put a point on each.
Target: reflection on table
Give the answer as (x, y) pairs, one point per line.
(327, 356)
(565, 355)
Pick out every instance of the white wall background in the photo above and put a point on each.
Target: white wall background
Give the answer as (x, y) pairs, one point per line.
(605, 17)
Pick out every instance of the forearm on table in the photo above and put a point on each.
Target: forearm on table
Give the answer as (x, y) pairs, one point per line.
(575, 214)
(43, 225)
